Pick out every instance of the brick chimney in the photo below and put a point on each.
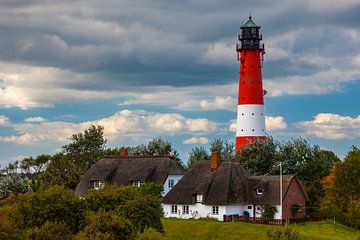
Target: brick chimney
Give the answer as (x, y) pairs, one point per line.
(123, 152)
(215, 160)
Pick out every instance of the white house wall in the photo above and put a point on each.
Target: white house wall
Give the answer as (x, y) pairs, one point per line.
(201, 211)
(195, 211)
(176, 179)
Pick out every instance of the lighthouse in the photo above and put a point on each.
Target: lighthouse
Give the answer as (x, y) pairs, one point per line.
(250, 113)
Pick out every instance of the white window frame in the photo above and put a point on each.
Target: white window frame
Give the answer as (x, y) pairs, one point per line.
(138, 183)
(171, 183)
(259, 191)
(186, 209)
(98, 184)
(215, 210)
(199, 198)
(173, 208)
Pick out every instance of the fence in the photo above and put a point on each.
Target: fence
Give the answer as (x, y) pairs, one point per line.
(259, 220)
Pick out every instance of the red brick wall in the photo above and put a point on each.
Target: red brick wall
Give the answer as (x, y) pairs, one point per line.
(294, 195)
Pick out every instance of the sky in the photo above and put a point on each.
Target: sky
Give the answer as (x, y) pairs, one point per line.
(157, 68)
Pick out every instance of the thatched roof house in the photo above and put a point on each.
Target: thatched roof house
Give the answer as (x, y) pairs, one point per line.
(129, 170)
(214, 188)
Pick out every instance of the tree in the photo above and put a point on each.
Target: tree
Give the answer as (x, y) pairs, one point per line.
(260, 156)
(13, 183)
(86, 148)
(106, 226)
(268, 211)
(140, 205)
(55, 204)
(155, 147)
(197, 154)
(343, 193)
(50, 231)
(225, 148)
(60, 171)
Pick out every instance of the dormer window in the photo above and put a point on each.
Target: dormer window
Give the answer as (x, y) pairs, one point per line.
(98, 184)
(171, 183)
(199, 198)
(259, 191)
(138, 183)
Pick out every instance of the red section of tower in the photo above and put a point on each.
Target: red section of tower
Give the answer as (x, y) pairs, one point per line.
(250, 117)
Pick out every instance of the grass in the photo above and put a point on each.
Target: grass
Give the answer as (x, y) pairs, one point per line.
(207, 229)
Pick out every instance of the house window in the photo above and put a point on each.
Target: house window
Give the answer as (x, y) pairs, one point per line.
(185, 209)
(99, 184)
(258, 208)
(173, 208)
(215, 210)
(171, 183)
(138, 183)
(259, 191)
(249, 207)
(199, 198)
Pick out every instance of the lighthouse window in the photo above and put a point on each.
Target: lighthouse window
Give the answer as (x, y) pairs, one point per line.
(242, 130)
(252, 114)
(242, 114)
(253, 130)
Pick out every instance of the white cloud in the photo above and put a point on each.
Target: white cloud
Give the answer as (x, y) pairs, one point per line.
(3, 120)
(200, 125)
(194, 140)
(275, 123)
(221, 53)
(35, 120)
(224, 103)
(123, 124)
(332, 126)
(322, 82)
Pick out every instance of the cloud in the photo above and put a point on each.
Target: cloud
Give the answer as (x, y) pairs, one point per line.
(195, 140)
(221, 53)
(223, 103)
(132, 124)
(35, 120)
(331, 126)
(275, 123)
(3, 120)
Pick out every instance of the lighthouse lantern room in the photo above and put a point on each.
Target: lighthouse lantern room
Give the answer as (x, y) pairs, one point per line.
(250, 113)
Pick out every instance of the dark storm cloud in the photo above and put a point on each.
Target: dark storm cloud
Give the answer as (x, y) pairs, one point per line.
(161, 42)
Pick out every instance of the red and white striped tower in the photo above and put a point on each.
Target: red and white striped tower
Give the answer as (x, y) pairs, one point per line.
(250, 113)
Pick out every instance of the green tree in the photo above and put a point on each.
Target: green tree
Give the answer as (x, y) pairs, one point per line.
(106, 226)
(268, 211)
(260, 156)
(13, 183)
(197, 154)
(60, 171)
(342, 195)
(50, 231)
(140, 205)
(55, 204)
(86, 148)
(225, 148)
(155, 147)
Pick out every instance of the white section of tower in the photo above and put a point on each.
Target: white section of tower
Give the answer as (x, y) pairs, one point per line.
(250, 120)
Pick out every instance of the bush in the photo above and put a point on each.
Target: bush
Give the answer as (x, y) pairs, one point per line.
(268, 211)
(282, 233)
(50, 231)
(106, 226)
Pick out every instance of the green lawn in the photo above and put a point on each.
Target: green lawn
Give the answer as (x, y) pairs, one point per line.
(207, 229)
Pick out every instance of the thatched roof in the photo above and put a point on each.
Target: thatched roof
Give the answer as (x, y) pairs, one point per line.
(225, 185)
(229, 184)
(126, 169)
